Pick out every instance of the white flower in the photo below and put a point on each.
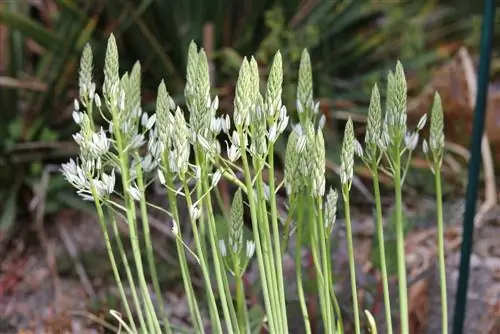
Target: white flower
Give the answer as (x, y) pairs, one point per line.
(233, 152)
(194, 212)
(77, 116)
(271, 134)
(203, 142)
(411, 140)
(425, 146)
(422, 122)
(161, 177)
(322, 121)
(144, 119)
(76, 105)
(137, 141)
(358, 148)
(250, 249)
(222, 247)
(316, 107)
(134, 192)
(100, 143)
(215, 103)
(151, 121)
(97, 100)
(216, 177)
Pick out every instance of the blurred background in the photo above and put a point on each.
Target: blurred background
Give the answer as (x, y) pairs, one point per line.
(46, 232)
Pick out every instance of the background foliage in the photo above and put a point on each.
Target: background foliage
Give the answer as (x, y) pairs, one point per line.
(352, 44)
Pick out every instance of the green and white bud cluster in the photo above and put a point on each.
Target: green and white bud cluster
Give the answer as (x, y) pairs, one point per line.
(305, 153)
(203, 123)
(435, 146)
(235, 261)
(90, 174)
(306, 107)
(330, 215)
(347, 155)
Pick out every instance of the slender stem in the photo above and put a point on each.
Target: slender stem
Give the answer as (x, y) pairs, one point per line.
(276, 235)
(149, 248)
(214, 313)
(340, 326)
(400, 238)
(381, 245)
(240, 297)
(288, 222)
(102, 222)
(326, 273)
(131, 219)
(440, 237)
(216, 257)
(181, 254)
(128, 272)
(255, 229)
(199, 193)
(352, 264)
(298, 270)
(268, 251)
(313, 233)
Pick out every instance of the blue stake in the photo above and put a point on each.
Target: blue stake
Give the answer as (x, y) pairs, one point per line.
(474, 163)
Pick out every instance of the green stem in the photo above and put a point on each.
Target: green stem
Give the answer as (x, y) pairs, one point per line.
(268, 252)
(214, 313)
(440, 237)
(400, 238)
(298, 270)
(131, 219)
(352, 264)
(381, 245)
(102, 222)
(313, 233)
(181, 254)
(338, 312)
(240, 297)
(128, 272)
(149, 248)
(326, 273)
(219, 272)
(255, 229)
(276, 235)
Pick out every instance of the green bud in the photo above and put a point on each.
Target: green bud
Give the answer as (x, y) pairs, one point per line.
(347, 155)
(191, 72)
(85, 73)
(111, 68)
(319, 165)
(374, 125)
(436, 135)
(274, 85)
(236, 230)
(255, 79)
(242, 97)
(330, 210)
(164, 119)
(305, 86)
(292, 172)
(133, 92)
(400, 88)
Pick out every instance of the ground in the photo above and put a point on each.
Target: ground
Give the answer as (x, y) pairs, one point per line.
(66, 286)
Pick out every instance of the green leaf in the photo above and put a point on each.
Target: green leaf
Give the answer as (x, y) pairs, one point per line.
(27, 27)
(9, 210)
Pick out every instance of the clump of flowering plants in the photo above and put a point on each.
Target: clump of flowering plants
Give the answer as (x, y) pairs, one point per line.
(120, 158)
